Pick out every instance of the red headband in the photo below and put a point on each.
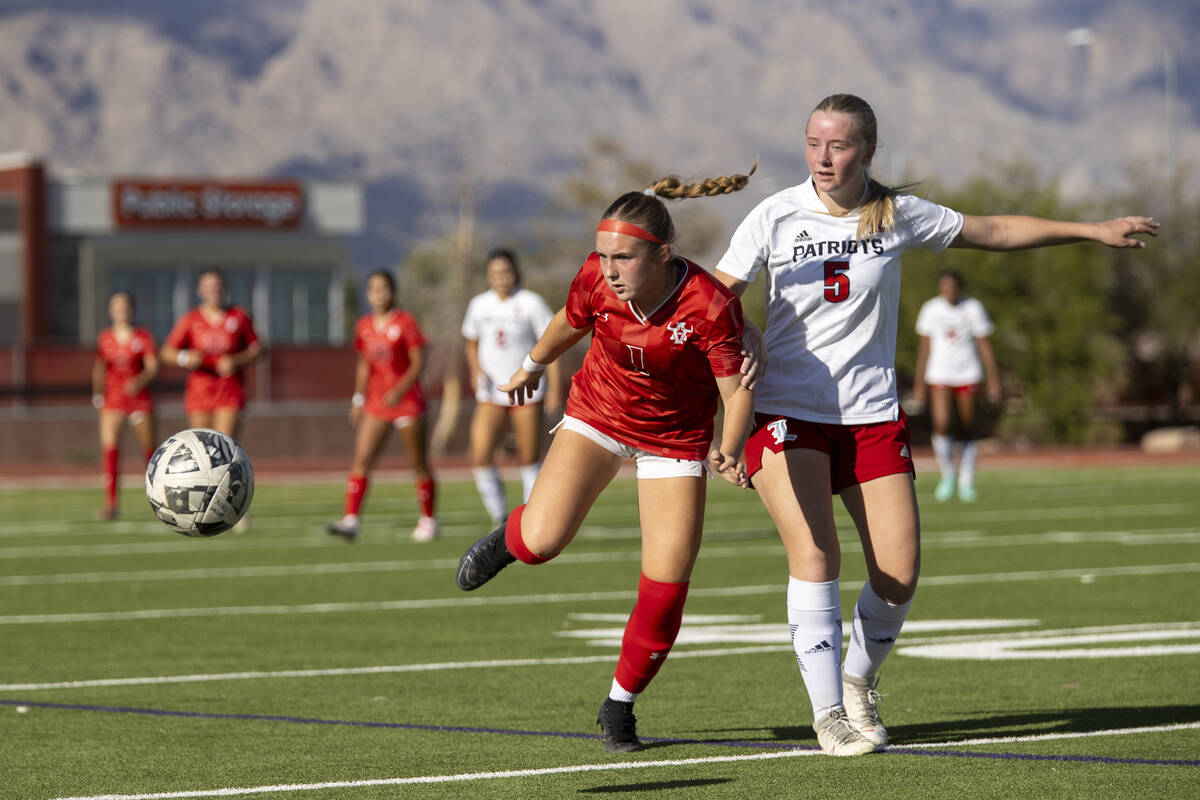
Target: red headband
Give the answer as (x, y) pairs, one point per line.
(627, 228)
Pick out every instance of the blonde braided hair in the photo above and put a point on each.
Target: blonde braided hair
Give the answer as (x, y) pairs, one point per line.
(672, 187)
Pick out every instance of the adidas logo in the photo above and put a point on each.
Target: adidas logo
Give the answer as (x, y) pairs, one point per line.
(803, 237)
(823, 647)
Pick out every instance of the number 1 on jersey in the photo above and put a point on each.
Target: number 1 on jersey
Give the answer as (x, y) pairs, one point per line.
(837, 283)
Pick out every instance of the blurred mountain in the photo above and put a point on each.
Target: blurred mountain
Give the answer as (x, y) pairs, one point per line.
(408, 96)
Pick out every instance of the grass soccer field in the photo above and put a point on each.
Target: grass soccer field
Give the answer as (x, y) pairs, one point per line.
(1053, 651)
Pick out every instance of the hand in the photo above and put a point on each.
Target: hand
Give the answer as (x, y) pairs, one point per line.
(131, 387)
(918, 395)
(521, 386)
(356, 414)
(993, 392)
(728, 468)
(1120, 232)
(754, 355)
(225, 366)
(392, 396)
(97, 401)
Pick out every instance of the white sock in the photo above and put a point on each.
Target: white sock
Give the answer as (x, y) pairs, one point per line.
(491, 491)
(815, 622)
(350, 520)
(529, 473)
(966, 464)
(943, 451)
(619, 693)
(876, 625)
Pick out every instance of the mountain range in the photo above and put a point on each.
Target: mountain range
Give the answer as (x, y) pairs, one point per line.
(408, 96)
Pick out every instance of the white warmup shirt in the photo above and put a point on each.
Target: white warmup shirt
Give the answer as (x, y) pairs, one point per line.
(832, 302)
(506, 331)
(953, 356)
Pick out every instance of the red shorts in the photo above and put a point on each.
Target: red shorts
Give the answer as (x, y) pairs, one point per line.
(206, 392)
(857, 453)
(411, 405)
(126, 404)
(970, 388)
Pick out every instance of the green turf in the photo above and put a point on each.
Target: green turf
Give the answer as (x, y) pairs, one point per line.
(1060, 550)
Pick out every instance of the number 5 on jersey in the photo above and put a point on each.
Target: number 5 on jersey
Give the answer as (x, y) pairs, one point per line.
(837, 283)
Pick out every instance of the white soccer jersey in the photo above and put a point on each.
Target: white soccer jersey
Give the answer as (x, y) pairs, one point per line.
(832, 302)
(952, 329)
(506, 331)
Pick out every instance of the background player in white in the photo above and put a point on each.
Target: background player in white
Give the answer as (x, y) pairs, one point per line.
(501, 326)
(666, 341)
(954, 355)
(828, 417)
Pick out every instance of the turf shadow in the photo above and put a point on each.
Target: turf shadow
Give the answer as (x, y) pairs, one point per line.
(656, 786)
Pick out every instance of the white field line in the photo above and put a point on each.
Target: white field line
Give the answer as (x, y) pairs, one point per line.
(1086, 574)
(1048, 737)
(1182, 628)
(938, 541)
(338, 672)
(716, 524)
(579, 768)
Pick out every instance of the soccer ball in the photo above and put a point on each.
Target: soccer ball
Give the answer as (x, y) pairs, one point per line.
(199, 482)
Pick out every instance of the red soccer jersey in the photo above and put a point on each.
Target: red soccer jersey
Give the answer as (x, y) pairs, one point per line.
(231, 334)
(649, 381)
(123, 361)
(386, 349)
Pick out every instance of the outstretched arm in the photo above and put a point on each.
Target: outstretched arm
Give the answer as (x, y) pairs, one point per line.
(558, 338)
(1012, 232)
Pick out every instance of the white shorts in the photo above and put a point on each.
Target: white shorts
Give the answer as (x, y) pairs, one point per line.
(486, 392)
(649, 465)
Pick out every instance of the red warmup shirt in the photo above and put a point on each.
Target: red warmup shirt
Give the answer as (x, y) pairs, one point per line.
(386, 349)
(231, 334)
(123, 361)
(649, 382)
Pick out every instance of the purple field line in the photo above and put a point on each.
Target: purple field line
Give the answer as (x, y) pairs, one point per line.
(157, 712)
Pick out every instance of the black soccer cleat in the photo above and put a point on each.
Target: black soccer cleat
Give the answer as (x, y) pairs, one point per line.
(619, 727)
(483, 560)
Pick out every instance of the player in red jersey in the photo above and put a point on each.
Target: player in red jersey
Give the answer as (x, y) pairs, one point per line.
(216, 342)
(125, 364)
(387, 394)
(666, 341)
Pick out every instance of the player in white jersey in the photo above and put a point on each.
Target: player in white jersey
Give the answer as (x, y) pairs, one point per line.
(953, 356)
(829, 420)
(501, 326)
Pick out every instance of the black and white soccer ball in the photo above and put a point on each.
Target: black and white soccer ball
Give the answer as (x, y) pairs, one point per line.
(199, 482)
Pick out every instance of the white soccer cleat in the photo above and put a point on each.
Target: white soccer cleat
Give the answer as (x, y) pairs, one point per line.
(426, 530)
(838, 737)
(860, 698)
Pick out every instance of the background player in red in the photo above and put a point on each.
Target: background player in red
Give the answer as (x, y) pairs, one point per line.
(125, 364)
(387, 394)
(666, 340)
(829, 420)
(216, 341)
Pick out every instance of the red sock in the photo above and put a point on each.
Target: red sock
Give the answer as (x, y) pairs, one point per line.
(650, 632)
(356, 489)
(425, 496)
(110, 476)
(513, 540)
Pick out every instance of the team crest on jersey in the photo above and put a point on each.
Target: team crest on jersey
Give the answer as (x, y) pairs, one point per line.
(779, 431)
(230, 324)
(679, 332)
(393, 332)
